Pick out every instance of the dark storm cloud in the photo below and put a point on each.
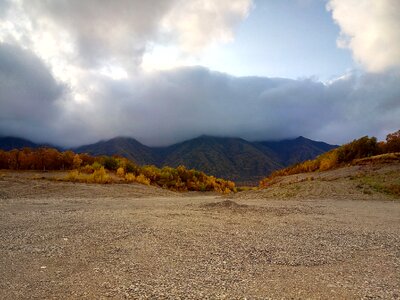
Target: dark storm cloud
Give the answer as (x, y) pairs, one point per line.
(170, 106)
(28, 94)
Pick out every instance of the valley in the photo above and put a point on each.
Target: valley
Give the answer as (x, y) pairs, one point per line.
(230, 158)
(333, 236)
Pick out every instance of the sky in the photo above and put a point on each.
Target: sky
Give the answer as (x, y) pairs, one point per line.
(163, 71)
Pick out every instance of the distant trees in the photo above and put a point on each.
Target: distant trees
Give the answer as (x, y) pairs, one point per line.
(86, 168)
(76, 162)
(363, 147)
(357, 149)
(393, 142)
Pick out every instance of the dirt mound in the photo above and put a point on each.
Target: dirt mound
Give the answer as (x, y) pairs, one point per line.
(228, 204)
(361, 182)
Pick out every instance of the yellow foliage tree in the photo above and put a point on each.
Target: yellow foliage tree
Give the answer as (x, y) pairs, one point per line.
(76, 162)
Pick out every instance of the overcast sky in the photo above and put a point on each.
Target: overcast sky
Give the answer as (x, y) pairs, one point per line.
(73, 72)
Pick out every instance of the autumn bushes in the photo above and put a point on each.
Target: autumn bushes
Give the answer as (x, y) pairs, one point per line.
(97, 176)
(176, 179)
(355, 151)
(106, 169)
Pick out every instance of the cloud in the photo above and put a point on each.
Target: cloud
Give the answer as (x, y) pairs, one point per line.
(370, 29)
(4, 6)
(64, 79)
(171, 106)
(28, 94)
(161, 108)
(98, 34)
(198, 23)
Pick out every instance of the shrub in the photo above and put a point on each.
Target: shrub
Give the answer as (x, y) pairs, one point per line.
(131, 168)
(111, 163)
(130, 177)
(96, 165)
(88, 169)
(328, 161)
(120, 172)
(73, 176)
(100, 176)
(142, 179)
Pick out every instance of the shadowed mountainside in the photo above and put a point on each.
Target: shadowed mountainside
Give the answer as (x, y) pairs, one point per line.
(126, 147)
(231, 158)
(296, 150)
(8, 143)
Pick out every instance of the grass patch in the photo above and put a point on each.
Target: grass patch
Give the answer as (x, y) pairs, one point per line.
(388, 183)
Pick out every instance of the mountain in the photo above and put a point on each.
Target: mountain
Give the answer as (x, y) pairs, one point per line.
(8, 143)
(231, 158)
(126, 147)
(293, 151)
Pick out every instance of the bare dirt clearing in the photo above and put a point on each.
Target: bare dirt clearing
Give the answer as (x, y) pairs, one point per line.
(324, 238)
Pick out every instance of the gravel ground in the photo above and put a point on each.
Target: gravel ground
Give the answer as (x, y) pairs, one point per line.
(72, 241)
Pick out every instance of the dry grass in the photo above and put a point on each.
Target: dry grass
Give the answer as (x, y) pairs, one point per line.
(388, 183)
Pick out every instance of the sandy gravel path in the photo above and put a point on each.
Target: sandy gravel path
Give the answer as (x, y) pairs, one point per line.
(73, 241)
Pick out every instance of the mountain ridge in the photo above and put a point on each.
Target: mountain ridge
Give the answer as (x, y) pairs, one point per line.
(226, 157)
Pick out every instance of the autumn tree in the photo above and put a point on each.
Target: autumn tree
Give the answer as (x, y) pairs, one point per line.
(4, 158)
(393, 142)
(67, 160)
(77, 161)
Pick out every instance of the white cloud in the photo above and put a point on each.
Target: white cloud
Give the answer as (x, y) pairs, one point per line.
(92, 46)
(198, 23)
(370, 28)
(98, 33)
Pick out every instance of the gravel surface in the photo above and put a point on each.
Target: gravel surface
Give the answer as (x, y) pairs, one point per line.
(72, 241)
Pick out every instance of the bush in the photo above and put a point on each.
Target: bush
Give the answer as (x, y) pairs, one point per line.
(328, 161)
(142, 179)
(357, 149)
(120, 172)
(111, 163)
(72, 176)
(88, 169)
(100, 176)
(131, 168)
(130, 177)
(96, 165)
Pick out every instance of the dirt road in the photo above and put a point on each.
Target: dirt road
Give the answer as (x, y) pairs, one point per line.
(71, 241)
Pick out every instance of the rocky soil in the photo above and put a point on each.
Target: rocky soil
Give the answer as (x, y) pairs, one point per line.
(319, 239)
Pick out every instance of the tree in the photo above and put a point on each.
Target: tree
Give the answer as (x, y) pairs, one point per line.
(67, 160)
(77, 161)
(393, 142)
(14, 159)
(111, 163)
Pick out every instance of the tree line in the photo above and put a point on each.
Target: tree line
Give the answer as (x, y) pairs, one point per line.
(87, 168)
(357, 149)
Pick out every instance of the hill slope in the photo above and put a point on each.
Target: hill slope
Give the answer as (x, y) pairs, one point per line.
(293, 151)
(231, 158)
(126, 147)
(8, 143)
